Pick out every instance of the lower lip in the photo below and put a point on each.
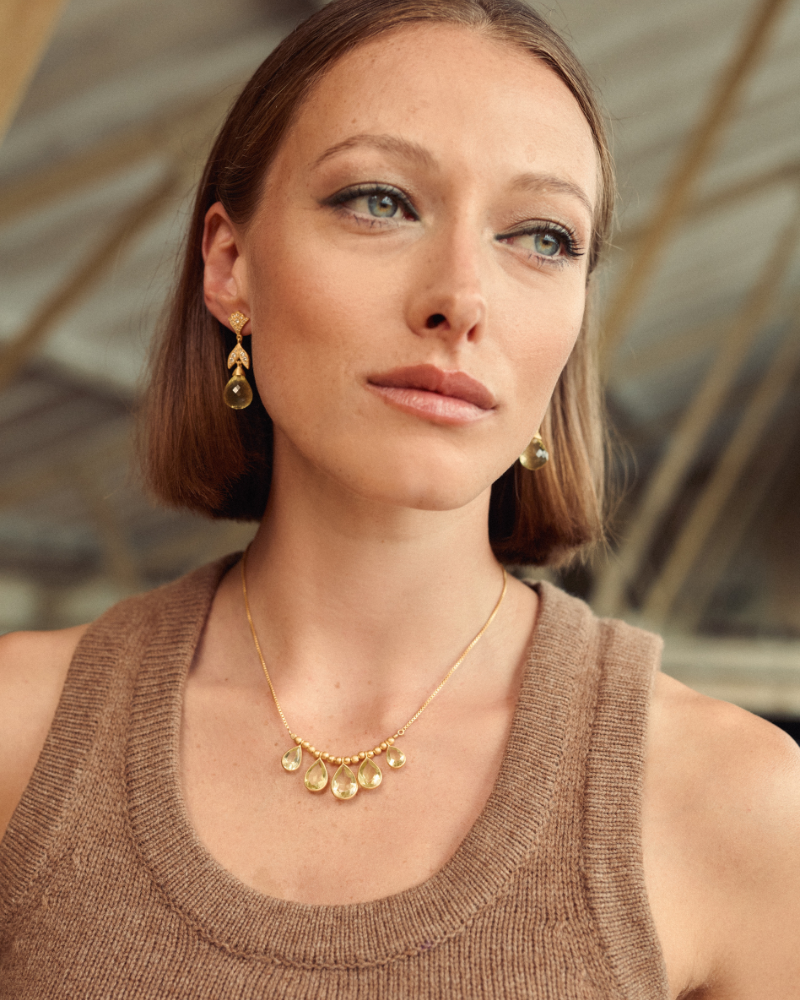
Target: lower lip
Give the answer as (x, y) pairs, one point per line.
(432, 405)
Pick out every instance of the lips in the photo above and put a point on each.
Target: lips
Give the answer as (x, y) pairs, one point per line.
(429, 378)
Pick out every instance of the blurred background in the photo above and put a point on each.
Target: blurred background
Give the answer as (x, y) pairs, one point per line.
(107, 108)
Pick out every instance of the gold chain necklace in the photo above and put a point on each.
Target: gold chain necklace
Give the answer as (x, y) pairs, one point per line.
(345, 783)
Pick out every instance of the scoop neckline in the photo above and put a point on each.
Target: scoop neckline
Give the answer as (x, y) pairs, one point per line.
(249, 923)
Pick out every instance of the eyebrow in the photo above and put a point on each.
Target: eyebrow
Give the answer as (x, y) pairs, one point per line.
(418, 154)
(541, 182)
(386, 143)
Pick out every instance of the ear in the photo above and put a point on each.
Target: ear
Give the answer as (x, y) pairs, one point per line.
(224, 277)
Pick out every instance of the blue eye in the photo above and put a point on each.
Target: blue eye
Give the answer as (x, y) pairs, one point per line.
(548, 241)
(373, 201)
(382, 206)
(546, 244)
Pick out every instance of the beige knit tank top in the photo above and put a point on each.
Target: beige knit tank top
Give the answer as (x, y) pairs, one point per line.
(106, 892)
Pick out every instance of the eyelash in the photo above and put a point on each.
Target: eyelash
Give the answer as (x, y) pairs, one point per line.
(340, 199)
(570, 245)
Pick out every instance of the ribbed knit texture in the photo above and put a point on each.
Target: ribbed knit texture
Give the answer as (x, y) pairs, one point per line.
(106, 892)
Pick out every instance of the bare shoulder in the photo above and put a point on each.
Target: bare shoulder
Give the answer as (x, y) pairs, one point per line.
(721, 827)
(33, 668)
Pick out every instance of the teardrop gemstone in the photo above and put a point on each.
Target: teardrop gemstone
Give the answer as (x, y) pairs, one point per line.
(535, 456)
(292, 759)
(394, 757)
(369, 774)
(237, 393)
(344, 784)
(316, 776)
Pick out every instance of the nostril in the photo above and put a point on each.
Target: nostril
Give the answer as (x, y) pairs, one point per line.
(435, 320)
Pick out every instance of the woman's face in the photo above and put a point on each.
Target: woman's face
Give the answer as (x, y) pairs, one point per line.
(415, 272)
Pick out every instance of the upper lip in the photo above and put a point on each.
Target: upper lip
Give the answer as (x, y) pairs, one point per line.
(459, 385)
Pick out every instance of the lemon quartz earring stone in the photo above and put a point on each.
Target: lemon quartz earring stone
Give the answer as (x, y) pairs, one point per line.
(369, 774)
(394, 757)
(535, 455)
(292, 759)
(316, 776)
(237, 393)
(344, 785)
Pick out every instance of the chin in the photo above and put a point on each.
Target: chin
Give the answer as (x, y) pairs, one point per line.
(429, 484)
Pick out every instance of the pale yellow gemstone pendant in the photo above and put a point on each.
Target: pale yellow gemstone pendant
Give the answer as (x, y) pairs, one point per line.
(237, 393)
(395, 758)
(344, 785)
(535, 455)
(316, 776)
(369, 774)
(292, 759)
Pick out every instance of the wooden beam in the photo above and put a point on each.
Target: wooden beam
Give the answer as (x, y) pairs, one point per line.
(17, 351)
(667, 350)
(188, 128)
(25, 30)
(697, 593)
(609, 594)
(694, 159)
(735, 456)
(785, 173)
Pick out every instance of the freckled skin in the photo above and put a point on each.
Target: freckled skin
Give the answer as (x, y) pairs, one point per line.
(355, 300)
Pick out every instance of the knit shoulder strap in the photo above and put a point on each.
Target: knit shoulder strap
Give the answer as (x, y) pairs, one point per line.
(613, 864)
(90, 721)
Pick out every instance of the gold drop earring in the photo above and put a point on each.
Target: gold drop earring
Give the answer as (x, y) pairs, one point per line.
(535, 455)
(237, 393)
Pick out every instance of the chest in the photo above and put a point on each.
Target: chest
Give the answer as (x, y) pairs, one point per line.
(262, 824)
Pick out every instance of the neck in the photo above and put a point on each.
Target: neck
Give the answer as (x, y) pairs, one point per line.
(366, 590)
(361, 608)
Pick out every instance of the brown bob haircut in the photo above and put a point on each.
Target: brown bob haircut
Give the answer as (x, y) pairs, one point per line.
(200, 455)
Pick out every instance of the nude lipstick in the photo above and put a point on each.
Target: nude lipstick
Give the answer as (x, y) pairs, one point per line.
(448, 397)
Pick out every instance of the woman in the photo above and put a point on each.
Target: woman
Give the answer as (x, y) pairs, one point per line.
(403, 213)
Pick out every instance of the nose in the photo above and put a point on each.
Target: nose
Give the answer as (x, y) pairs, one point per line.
(448, 300)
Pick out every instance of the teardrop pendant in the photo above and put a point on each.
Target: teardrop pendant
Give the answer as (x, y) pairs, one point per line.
(292, 759)
(395, 758)
(237, 394)
(344, 785)
(369, 774)
(535, 455)
(316, 776)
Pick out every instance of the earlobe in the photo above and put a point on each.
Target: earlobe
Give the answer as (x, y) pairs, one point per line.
(224, 285)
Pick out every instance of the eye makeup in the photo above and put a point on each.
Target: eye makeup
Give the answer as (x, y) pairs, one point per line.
(548, 236)
(378, 198)
(550, 242)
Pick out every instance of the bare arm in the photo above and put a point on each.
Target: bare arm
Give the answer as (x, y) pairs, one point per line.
(722, 848)
(33, 668)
